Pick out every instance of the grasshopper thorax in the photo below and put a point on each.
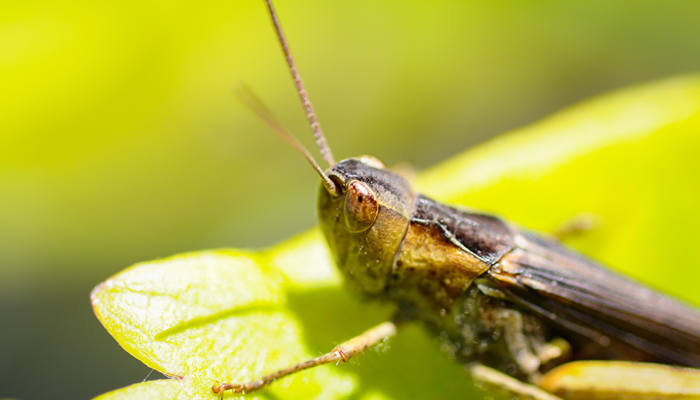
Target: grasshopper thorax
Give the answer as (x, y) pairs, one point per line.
(365, 220)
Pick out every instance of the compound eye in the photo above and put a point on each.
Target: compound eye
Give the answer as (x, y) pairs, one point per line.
(361, 207)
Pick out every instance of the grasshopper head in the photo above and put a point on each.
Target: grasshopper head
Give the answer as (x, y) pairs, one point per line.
(365, 220)
(364, 209)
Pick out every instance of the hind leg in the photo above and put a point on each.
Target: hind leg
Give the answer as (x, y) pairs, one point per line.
(575, 226)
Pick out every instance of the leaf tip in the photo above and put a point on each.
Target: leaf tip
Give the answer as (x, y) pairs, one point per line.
(93, 295)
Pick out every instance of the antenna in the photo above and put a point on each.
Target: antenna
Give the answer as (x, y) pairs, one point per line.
(253, 102)
(315, 126)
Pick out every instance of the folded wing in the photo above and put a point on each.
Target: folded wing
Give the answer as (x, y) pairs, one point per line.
(587, 299)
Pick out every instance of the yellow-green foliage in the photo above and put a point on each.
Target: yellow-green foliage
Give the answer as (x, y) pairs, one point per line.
(629, 158)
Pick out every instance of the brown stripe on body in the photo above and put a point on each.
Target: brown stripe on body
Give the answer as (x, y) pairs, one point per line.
(485, 236)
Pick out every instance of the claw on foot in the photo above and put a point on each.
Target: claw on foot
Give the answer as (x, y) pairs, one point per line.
(234, 388)
(343, 357)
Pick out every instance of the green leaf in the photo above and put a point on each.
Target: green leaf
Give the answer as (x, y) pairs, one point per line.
(157, 389)
(629, 158)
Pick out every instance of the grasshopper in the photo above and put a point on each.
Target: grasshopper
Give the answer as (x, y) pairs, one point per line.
(519, 310)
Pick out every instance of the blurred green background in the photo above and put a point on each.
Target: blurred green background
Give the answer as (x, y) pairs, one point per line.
(121, 140)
